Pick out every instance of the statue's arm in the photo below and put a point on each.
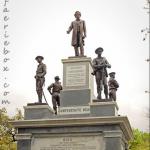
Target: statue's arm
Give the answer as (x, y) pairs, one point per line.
(116, 84)
(49, 88)
(61, 87)
(94, 64)
(70, 28)
(44, 71)
(107, 63)
(41, 75)
(84, 28)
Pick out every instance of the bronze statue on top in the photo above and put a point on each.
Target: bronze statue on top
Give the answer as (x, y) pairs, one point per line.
(54, 90)
(113, 85)
(79, 33)
(100, 65)
(40, 77)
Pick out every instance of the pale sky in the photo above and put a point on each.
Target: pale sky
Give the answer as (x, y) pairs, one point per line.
(38, 27)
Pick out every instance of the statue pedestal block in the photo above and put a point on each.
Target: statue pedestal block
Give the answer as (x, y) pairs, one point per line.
(75, 97)
(37, 111)
(109, 108)
(77, 81)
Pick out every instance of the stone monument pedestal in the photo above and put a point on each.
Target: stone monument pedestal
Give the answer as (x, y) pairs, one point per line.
(77, 81)
(90, 133)
(37, 111)
(107, 108)
(82, 123)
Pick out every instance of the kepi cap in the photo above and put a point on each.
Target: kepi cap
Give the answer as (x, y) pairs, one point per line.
(111, 73)
(57, 77)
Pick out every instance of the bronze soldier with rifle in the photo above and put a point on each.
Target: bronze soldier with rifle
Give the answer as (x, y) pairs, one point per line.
(100, 65)
(40, 77)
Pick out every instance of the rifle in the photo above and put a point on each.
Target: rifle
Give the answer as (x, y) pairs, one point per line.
(45, 98)
(101, 67)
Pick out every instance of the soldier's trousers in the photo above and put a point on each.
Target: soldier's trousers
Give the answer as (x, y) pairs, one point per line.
(39, 88)
(55, 100)
(101, 80)
(79, 43)
(112, 94)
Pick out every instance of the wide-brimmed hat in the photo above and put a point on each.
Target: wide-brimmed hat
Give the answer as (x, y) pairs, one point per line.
(99, 49)
(77, 12)
(57, 77)
(39, 57)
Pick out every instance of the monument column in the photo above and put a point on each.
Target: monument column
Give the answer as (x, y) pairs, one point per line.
(77, 82)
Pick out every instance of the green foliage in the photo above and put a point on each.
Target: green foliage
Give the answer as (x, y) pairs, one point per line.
(141, 141)
(7, 133)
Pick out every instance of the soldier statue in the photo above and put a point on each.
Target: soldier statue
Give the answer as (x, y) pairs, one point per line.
(54, 90)
(78, 34)
(100, 65)
(113, 85)
(40, 77)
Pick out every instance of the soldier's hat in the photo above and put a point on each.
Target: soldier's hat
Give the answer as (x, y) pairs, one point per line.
(77, 12)
(111, 73)
(99, 49)
(57, 77)
(39, 57)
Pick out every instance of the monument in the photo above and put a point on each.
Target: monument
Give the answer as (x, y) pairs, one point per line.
(81, 121)
(100, 65)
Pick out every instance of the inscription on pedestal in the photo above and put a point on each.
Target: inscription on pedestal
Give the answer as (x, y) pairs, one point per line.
(74, 110)
(89, 142)
(76, 75)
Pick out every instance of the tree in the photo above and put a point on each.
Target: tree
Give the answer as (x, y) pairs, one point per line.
(7, 132)
(141, 140)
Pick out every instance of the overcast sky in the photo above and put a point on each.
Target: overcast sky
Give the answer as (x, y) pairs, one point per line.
(38, 27)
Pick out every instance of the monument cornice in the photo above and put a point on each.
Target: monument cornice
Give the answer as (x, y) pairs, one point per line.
(89, 121)
(77, 59)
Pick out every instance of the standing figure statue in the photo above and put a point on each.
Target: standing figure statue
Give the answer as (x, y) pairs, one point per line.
(113, 85)
(100, 65)
(40, 77)
(79, 33)
(54, 90)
